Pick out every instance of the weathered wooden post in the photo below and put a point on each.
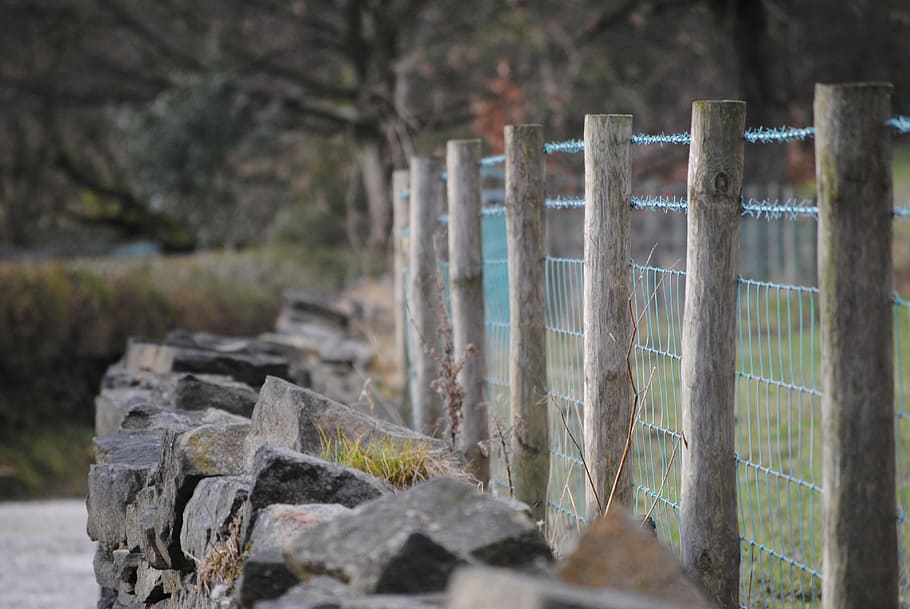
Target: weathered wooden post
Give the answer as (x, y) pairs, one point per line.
(400, 221)
(708, 515)
(466, 281)
(527, 307)
(607, 327)
(426, 194)
(853, 172)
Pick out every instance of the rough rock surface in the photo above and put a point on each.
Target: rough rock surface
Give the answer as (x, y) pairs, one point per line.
(617, 553)
(210, 450)
(110, 489)
(323, 592)
(411, 542)
(194, 392)
(137, 447)
(297, 418)
(281, 475)
(113, 405)
(264, 572)
(209, 512)
(486, 588)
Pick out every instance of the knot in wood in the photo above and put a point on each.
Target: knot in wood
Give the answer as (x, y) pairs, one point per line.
(721, 182)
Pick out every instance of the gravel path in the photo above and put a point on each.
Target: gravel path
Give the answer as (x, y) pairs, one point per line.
(45, 556)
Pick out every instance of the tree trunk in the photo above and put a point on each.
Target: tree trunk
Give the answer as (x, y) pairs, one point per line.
(376, 187)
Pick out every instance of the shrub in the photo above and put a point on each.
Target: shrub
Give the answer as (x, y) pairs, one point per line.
(62, 324)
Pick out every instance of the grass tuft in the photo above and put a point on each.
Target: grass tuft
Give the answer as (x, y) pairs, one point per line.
(403, 463)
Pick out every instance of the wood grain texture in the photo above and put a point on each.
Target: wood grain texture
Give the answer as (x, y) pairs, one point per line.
(426, 197)
(853, 172)
(466, 289)
(527, 307)
(708, 516)
(607, 325)
(400, 215)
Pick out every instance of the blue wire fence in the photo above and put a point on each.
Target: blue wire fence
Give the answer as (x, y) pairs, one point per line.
(778, 397)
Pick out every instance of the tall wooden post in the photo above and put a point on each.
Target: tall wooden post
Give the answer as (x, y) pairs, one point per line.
(527, 308)
(426, 194)
(400, 221)
(708, 515)
(853, 172)
(466, 281)
(607, 287)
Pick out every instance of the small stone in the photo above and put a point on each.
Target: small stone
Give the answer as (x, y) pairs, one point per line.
(264, 573)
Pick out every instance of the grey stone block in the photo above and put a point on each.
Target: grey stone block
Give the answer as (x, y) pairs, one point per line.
(265, 574)
(134, 447)
(209, 512)
(200, 392)
(113, 405)
(210, 450)
(245, 366)
(281, 475)
(411, 542)
(110, 489)
(297, 418)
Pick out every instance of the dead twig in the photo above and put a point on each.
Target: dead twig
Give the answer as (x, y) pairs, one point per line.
(584, 463)
(663, 480)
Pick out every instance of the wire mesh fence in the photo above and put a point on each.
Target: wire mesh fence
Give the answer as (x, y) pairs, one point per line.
(778, 395)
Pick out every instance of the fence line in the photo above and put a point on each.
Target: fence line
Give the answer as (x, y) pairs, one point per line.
(777, 374)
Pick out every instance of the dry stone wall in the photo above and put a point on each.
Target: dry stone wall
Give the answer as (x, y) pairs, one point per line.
(210, 491)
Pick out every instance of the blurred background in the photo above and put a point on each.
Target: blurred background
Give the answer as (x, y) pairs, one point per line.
(174, 164)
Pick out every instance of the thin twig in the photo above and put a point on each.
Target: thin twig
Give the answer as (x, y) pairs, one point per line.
(581, 453)
(501, 434)
(663, 480)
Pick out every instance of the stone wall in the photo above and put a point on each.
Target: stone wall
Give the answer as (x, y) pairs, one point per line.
(210, 490)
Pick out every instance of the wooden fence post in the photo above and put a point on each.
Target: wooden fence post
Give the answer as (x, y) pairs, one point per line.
(853, 172)
(708, 516)
(400, 211)
(527, 308)
(466, 281)
(607, 287)
(426, 194)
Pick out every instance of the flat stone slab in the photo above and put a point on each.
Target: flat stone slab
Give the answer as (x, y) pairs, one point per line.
(297, 418)
(616, 552)
(265, 574)
(192, 392)
(245, 366)
(134, 447)
(411, 542)
(281, 475)
(209, 512)
(486, 588)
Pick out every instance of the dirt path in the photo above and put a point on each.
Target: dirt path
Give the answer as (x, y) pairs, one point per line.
(45, 556)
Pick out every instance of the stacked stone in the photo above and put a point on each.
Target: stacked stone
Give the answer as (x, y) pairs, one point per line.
(210, 494)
